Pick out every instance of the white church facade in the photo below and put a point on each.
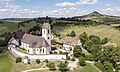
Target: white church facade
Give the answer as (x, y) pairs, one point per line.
(35, 44)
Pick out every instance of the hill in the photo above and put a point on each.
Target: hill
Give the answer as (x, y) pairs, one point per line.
(96, 16)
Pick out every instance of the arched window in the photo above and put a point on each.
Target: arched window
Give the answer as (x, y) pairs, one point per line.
(48, 32)
(43, 50)
(44, 31)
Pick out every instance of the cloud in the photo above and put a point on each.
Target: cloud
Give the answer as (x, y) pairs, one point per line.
(107, 4)
(66, 12)
(4, 0)
(65, 4)
(80, 2)
(112, 11)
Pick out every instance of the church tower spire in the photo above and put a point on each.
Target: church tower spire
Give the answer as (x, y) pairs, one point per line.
(46, 32)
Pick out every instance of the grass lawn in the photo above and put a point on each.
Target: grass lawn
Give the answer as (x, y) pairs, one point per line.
(102, 31)
(5, 63)
(21, 66)
(87, 68)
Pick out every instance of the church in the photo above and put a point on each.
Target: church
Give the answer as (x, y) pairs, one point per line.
(34, 44)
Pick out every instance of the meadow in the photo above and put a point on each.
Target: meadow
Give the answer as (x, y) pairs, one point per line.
(102, 31)
(5, 63)
(13, 27)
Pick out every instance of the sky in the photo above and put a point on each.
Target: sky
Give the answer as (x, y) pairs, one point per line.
(56, 8)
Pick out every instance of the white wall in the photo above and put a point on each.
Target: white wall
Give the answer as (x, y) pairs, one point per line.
(79, 42)
(67, 47)
(50, 56)
(15, 42)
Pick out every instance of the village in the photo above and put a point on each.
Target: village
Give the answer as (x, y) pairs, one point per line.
(29, 48)
(59, 36)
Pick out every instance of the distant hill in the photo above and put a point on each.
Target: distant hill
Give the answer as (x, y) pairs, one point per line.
(96, 16)
(15, 19)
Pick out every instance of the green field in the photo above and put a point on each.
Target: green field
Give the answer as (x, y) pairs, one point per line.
(12, 27)
(87, 68)
(101, 31)
(5, 63)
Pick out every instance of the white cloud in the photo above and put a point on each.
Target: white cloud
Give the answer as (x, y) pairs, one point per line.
(88, 1)
(65, 4)
(112, 11)
(107, 4)
(80, 2)
(4, 0)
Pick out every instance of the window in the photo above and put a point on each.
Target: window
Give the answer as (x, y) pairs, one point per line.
(43, 50)
(40, 50)
(48, 31)
(48, 38)
(28, 50)
(37, 49)
(44, 31)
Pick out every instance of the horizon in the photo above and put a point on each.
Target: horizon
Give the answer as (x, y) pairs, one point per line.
(56, 8)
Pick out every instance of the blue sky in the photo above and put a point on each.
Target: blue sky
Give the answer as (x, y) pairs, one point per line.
(57, 8)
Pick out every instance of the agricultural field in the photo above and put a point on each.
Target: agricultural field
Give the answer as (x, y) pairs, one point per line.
(102, 31)
(12, 27)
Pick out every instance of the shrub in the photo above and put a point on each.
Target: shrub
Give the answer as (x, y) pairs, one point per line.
(73, 59)
(81, 61)
(22, 48)
(60, 52)
(89, 57)
(65, 53)
(55, 52)
(51, 66)
(18, 59)
(46, 60)
(1, 51)
(99, 65)
(82, 54)
(63, 67)
(53, 48)
(66, 61)
(68, 58)
(37, 61)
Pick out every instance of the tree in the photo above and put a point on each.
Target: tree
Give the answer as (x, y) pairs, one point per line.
(37, 61)
(108, 67)
(81, 61)
(72, 34)
(46, 60)
(51, 66)
(104, 41)
(77, 50)
(18, 59)
(63, 67)
(83, 37)
(68, 58)
(117, 68)
(88, 43)
(94, 39)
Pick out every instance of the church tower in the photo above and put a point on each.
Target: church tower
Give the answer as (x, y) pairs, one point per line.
(46, 32)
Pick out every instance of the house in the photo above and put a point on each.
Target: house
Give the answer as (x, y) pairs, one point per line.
(33, 44)
(70, 42)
